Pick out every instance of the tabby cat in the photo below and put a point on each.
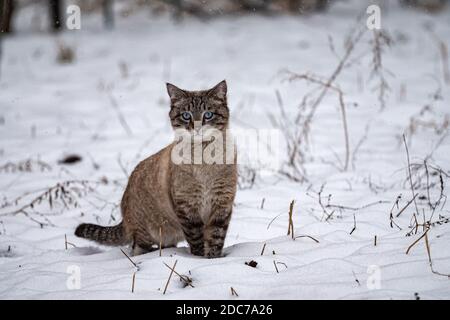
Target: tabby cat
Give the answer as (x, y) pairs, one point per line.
(167, 202)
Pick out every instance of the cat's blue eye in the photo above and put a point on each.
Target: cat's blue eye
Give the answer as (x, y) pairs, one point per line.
(208, 115)
(186, 116)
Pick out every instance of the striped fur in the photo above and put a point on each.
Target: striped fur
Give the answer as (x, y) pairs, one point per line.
(103, 235)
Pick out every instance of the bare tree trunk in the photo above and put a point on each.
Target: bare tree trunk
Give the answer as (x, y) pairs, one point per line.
(178, 12)
(304, 6)
(108, 13)
(55, 14)
(294, 5)
(322, 5)
(6, 13)
(1, 53)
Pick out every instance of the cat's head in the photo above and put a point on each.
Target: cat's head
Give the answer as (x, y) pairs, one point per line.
(196, 110)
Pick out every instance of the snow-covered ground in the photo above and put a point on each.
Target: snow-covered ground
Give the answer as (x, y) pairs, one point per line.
(50, 110)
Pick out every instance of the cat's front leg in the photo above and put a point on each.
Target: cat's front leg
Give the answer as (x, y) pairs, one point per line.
(193, 227)
(216, 230)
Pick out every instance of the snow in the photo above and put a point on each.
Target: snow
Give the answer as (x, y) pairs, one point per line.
(50, 110)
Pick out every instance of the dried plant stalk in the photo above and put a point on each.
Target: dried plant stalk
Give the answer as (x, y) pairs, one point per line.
(170, 276)
(291, 222)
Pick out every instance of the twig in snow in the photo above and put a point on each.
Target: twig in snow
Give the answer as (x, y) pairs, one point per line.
(380, 40)
(354, 224)
(430, 261)
(356, 279)
(355, 208)
(297, 139)
(428, 183)
(263, 248)
(66, 193)
(271, 221)
(133, 281)
(128, 257)
(28, 165)
(291, 222)
(325, 211)
(275, 265)
(433, 206)
(391, 214)
(414, 243)
(66, 243)
(406, 206)
(133, 278)
(185, 279)
(410, 174)
(233, 292)
(170, 276)
(306, 236)
(328, 85)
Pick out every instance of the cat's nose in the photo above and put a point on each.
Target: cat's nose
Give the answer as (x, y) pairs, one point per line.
(197, 127)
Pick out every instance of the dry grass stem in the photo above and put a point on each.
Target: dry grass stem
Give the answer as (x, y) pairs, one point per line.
(275, 265)
(414, 243)
(160, 240)
(406, 206)
(170, 276)
(431, 261)
(354, 224)
(128, 257)
(133, 281)
(291, 222)
(306, 236)
(185, 279)
(263, 248)
(65, 194)
(410, 175)
(66, 243)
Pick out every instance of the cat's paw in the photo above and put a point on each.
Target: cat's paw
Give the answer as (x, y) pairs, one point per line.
(211, 254)
(198, 252)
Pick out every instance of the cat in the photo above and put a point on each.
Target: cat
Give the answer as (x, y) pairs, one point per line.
(165, 202)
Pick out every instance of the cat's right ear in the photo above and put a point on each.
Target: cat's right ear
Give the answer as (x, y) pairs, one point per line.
(174, 92)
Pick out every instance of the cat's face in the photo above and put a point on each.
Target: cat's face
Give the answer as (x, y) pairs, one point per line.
(199, 110)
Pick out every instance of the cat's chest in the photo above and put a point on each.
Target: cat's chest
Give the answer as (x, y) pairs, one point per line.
(206, 180)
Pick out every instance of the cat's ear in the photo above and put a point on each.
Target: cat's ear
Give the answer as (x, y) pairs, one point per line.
(219, 90)
(174, 92)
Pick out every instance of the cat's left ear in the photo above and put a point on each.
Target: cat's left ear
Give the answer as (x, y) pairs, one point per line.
(174, 92)
(219, 90)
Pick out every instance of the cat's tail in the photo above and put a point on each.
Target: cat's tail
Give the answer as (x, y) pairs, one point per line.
(113, 236)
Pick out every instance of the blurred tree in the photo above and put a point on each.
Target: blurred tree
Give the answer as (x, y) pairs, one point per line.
(55, 14)
(427, 5)
(307, 5)
(254, 5)
(6, 13)
(191, 8)
(108, 13)
(177, 13)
